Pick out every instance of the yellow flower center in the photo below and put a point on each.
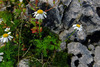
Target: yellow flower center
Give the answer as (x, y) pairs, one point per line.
(5, 35)
(40, 11)
(78, 25)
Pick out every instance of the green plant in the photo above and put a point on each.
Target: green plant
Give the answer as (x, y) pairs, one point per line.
(61, 59)
(48, 43)
(10, 55)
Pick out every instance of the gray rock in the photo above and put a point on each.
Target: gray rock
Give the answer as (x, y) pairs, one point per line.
(61, 10)
(95, 65)
(96, 19)
(23, 63)
(97, 54)
(63, 45)
(81, 36)
(66, 2)
(71, 14)
(77, 48)
(51, 2)
(85, 59)
(67, 34)
(74, 58)
(82, 65)
(54, 22)
(88, 11)
(91, 47)
(62, 35)
(96, 3)
(97, 57)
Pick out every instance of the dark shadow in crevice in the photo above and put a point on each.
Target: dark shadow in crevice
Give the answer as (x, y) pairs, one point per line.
(85, 4)
(76, 63)
(91, 64)
(87, 20)
(79, 55)
(98, 11)
(94, 38)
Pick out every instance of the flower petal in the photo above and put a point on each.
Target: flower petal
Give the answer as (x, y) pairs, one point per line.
(74, 25)
(1, 53)
(1, 58)
(10, 37)
(5, 40)
(9, 32)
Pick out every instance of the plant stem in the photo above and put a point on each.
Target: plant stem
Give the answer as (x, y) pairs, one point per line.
(1, 30)
(40, 41)
(18, 49)
(19, 41)
(36, 3)
(40, 28)
(27, 50)
(71, 34)
(42, 57)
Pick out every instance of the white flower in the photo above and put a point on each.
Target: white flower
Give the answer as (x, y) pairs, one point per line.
(6, 37)
(21, 1)
(9, 33)
(1, 53)
(7, 29)
(1, 20)
(40, 14)
(1, 56)
(77, 27)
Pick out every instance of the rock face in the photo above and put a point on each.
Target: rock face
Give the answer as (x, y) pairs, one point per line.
(60, 20)
(81, 54)
(69, 12)
(97, 57)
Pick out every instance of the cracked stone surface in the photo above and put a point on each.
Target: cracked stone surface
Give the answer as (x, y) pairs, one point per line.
(77, 48)
(97, 57)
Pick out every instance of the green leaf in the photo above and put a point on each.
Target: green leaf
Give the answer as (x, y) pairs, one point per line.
(33, 23)
(32, 8)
